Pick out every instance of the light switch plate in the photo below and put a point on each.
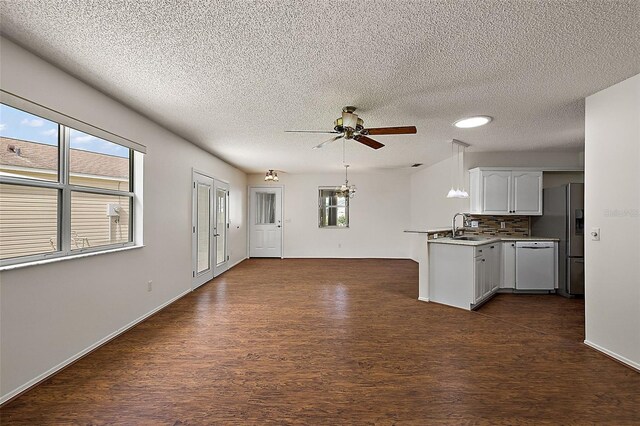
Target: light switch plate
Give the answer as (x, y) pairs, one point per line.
(474, 223)
(595, 234)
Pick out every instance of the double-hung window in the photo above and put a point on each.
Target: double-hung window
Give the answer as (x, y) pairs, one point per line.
(333, 207)
(66, 187)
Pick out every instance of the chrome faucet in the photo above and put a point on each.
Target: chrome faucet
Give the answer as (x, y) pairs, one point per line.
(453, 222)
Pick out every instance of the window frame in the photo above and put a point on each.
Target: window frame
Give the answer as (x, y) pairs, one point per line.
(322, 207)
(65, 189)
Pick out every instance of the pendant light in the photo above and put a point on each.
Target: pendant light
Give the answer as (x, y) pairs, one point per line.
(457, 171)
(345, 189)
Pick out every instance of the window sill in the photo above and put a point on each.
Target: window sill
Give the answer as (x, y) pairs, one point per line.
(63, 258)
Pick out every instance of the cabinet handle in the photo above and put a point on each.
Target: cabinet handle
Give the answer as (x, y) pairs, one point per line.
(483, 260)
(492, 247)
(513, 245)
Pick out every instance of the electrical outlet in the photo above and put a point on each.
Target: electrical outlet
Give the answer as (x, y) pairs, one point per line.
(149, 285)
(595, 234)
(503, 225)
(474, 223)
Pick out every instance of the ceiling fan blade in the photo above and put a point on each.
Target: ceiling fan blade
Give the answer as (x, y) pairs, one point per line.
(309, 131)
(328, 141)
(403, 130)
(368, 142)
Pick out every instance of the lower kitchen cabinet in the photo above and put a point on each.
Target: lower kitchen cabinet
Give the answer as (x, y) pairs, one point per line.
(463, 275)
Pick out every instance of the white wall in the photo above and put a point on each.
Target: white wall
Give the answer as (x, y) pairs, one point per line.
(378, 215)
(51, 313)
(612, 203)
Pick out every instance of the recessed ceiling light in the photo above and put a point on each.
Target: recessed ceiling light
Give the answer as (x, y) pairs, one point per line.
(479, 120)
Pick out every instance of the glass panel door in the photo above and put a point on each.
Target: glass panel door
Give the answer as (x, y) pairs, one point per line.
(221, 215)
(203, 229)
(221, 227)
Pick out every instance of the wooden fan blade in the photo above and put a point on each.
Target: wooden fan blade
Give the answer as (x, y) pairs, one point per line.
(309, 131)
(368, 142)
(404, 130)
(335, 138)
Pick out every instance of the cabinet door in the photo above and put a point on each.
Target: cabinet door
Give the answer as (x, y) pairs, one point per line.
(508, 265)
(479, 278)
(494, 267)
(527, 193)
(496, 191)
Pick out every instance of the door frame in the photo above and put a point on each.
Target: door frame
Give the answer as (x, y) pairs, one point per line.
(200, 279)
(219, 269)
(249, 201)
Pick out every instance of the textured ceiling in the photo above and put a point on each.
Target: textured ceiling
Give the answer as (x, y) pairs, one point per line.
(231, 76)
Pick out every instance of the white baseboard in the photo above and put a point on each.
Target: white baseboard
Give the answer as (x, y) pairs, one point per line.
(84, 352)
(614, 355)
(238, 262)
(423, 299)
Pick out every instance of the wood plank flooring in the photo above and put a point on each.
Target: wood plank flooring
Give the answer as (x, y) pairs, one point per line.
(309, 341)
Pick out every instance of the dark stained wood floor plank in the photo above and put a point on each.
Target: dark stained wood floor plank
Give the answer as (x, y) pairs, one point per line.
(337, 341)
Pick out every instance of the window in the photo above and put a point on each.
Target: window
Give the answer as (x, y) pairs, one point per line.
(333, 208)
(63, 191)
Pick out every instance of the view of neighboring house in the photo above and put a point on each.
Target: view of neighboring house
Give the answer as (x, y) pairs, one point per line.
(28, 219)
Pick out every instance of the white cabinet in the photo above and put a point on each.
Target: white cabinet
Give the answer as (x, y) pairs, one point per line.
(508, 265)
(503, 192)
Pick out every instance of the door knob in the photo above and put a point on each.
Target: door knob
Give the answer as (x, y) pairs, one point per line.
(279, 226)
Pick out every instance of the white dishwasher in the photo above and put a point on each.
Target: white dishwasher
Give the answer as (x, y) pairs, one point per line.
(535, 265)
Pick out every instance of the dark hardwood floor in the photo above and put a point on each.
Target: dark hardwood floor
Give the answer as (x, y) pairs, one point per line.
(339, 342)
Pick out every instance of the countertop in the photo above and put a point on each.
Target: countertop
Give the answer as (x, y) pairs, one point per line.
(487, 240)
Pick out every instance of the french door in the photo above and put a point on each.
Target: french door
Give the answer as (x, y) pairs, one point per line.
(221, 227)
(210, 225)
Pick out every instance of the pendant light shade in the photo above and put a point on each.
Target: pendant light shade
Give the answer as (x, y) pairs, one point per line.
(457, 172)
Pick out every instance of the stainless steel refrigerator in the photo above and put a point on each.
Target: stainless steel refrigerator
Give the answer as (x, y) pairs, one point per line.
(563, 218)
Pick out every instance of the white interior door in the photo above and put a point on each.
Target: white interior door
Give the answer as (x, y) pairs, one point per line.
(202, 230)
(265, 222)
(221, 227)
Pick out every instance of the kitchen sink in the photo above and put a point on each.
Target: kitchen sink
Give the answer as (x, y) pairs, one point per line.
(467, 238)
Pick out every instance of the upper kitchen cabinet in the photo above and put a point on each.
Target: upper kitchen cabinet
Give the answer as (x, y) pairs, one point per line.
(502, 191)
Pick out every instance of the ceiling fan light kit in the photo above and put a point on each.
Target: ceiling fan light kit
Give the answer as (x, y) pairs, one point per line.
(475, 121)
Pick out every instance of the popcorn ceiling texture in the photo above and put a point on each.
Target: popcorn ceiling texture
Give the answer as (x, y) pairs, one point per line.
(232, 75)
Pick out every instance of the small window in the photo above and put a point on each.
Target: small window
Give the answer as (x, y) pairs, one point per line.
(333, 208)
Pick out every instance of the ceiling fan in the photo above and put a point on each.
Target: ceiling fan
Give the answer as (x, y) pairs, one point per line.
(350, 126)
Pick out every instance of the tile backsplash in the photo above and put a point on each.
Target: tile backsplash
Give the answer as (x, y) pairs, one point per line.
(516, 226)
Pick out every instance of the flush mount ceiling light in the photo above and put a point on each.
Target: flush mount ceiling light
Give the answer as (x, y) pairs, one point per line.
(457, 169)
(271, 176)
(478, 120)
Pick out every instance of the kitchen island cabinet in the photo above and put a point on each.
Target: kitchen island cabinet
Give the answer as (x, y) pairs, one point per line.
(464, 275)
